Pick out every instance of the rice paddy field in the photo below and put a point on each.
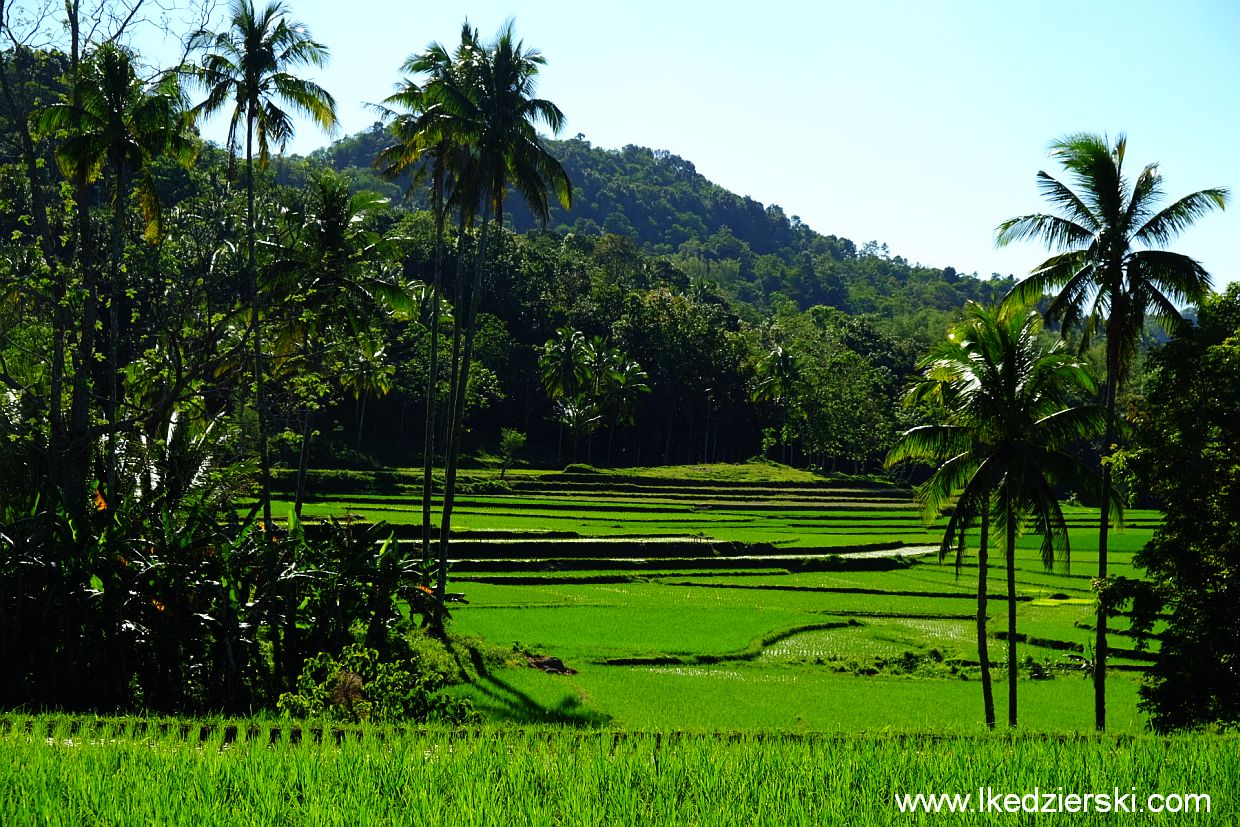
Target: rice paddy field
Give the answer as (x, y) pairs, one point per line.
(757, 597)
(745, 644)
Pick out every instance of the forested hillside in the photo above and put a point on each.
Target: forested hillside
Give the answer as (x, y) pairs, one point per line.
(748, 251)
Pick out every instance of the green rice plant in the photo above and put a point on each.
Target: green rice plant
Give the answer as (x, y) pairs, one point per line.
(566, 776)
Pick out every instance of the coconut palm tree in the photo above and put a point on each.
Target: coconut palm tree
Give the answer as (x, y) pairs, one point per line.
(494, 104)
(336, 267)
(428, 142)
(564, 371)
(119, 123)
(1109, 272)
(628, 381)
(1001, 448)
(247, 67)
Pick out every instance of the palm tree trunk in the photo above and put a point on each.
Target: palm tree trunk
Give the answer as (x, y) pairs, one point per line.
(260, 401)
(303, 460)
(428, 443)
(278, 658)
(983, 647)
(457, 414)
(1104, 525)
(361, 417)
(1011, 607)
(611, 437)
(114, 317)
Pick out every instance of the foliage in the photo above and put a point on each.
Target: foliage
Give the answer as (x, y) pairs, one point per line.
(1187, 454)
(511, 441)
(167, 333)
(358, 686)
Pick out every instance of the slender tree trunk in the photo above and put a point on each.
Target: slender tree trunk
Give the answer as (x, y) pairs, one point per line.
(76, 448)
(428, 443)
(115, 313)
(303, 461)
(454, 372)
(457, 421)
(270, 551)
(361, 417)
(77, 442)
(1104, 525)
(260, 396)
(667, 443)
(1011, 607)
(983, 645)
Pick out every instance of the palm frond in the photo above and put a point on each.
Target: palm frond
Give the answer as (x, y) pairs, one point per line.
(1169, 222)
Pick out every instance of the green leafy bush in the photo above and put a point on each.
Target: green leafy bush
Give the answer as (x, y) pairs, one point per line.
(359, 686)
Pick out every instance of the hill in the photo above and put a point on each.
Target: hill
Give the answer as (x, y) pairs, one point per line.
(749, 251)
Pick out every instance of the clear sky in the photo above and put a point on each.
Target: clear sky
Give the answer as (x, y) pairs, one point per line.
(919, 124)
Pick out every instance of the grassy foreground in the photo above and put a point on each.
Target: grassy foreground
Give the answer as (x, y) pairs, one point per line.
(111, 772)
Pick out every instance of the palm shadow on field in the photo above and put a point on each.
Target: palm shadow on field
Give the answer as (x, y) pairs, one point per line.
(501, 700)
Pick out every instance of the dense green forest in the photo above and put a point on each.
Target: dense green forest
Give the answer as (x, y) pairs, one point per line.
(651, 251)
(187, 329)
(745, 250)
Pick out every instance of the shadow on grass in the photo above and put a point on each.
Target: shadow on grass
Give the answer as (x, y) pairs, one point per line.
(501, 701)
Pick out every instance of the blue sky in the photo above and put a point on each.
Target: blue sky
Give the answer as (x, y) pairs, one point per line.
(917, 124)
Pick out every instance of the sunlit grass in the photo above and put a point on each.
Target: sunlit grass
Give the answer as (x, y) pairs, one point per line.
(561, 776)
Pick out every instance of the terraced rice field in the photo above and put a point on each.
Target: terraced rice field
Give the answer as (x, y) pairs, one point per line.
(707, 601)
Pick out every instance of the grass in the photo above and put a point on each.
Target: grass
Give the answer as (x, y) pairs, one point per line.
(556, 776)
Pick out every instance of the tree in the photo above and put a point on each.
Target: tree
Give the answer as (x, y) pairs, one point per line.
(1186, 453)
(1001, 448)
(118, 122)
(427, 135)
(776, 376)
(495, 106)
(248, 66)
(334, 266)
(626, 382)
(564, 370)
(511, 441)
(1109, 272)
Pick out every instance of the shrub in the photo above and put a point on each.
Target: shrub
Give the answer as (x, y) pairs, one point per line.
(359, 686)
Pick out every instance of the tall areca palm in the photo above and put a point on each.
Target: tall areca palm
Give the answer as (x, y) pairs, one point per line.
(494, 104)
(248, 68)
(1109, 271)
(1001, 448)
(118, 123)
